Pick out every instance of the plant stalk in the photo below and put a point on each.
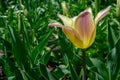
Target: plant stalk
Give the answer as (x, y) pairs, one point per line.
(97, 6)
(84, 64)
(118, 9)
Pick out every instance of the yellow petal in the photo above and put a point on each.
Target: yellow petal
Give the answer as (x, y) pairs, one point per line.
(65, 8)
(102, 14)
(92, 38)
(67, 21)
(84, 24)
(73, 36)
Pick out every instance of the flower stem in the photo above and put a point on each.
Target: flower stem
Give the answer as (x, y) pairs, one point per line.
(84, 64)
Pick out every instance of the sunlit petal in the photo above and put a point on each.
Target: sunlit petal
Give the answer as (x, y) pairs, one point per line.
(73, 36)
(85, 25)
(67, 21)
(102, 14)
(92, 38)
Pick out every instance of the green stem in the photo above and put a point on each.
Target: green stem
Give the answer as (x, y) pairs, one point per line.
(84, 64)
(118, 9)
(97, 6)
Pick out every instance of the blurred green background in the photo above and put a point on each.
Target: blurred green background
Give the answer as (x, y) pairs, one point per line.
(31, 50)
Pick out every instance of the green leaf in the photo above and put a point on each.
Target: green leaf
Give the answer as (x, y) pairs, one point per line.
(38, 49)
(45, 58)
(21, 55)
(45, 73)
(25, 34)
(111, 37)
(19, 50)
(113, 61)
(74, 75)
(101, 69)
(58, 73)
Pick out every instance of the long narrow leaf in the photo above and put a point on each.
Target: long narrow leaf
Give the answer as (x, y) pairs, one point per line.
(74, 75)
(38, 49)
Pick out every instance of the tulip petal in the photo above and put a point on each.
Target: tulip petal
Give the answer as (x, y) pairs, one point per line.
(73, 36)
(102, 14)
(92, 38)
(70, 33)
(85, 25)
(57, 24)
(67, 21)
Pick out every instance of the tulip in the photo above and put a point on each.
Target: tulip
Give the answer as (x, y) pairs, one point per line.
(81, 29)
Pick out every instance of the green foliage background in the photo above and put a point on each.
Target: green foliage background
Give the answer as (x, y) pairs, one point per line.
(30, 50)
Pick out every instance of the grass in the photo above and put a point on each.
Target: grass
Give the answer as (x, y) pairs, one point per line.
(34, 51)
